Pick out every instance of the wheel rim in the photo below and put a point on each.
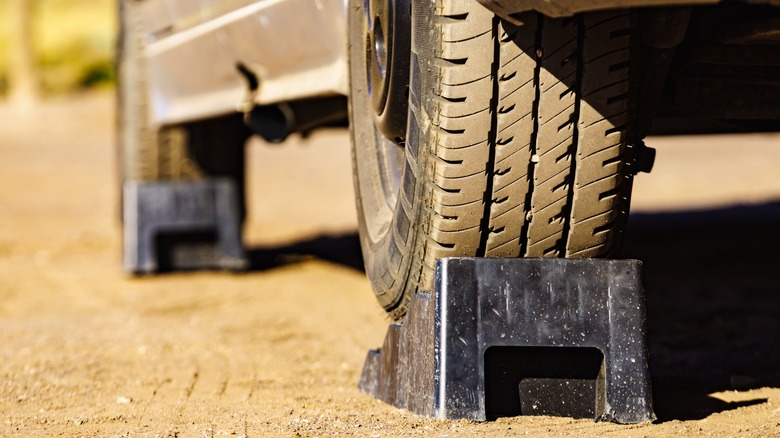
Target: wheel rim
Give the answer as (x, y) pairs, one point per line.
(388, 41)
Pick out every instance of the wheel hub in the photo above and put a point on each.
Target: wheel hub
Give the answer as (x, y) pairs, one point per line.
(388, 45)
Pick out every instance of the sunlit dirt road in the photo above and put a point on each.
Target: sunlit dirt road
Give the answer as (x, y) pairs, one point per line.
(88, 351)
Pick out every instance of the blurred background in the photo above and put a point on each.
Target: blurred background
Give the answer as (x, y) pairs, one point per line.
(52, 47)
(88, 350)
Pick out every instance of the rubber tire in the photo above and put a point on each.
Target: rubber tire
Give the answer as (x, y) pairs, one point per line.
(518, 144)
(184, 152)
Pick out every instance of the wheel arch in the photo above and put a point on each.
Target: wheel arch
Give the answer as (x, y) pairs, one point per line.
(565, 8)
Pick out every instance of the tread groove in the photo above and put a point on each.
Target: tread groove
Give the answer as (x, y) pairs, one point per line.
(524, 244)
(575, 145)
(492, 138)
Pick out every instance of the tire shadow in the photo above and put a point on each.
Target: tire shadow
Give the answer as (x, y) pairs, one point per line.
(342, 250)
(713, 304)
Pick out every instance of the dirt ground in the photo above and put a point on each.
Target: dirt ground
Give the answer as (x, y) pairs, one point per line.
(87, 351)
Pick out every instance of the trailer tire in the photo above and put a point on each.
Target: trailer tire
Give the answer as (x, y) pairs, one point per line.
(518, 143)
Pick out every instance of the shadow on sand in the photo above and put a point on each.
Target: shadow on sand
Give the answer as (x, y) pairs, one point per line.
(713, 302)
(341, 249)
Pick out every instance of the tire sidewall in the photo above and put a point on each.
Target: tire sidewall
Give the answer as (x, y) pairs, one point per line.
(393, 259)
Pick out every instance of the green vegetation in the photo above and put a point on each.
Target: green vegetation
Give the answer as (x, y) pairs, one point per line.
(73, 43)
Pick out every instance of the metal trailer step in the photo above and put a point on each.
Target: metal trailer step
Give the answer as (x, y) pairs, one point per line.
(506, 337)
(182, 226)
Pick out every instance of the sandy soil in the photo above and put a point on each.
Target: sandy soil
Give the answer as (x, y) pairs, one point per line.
(88, 351)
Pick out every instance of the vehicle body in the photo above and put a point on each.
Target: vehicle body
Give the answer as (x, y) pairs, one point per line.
(433, 123)
(297, 48)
